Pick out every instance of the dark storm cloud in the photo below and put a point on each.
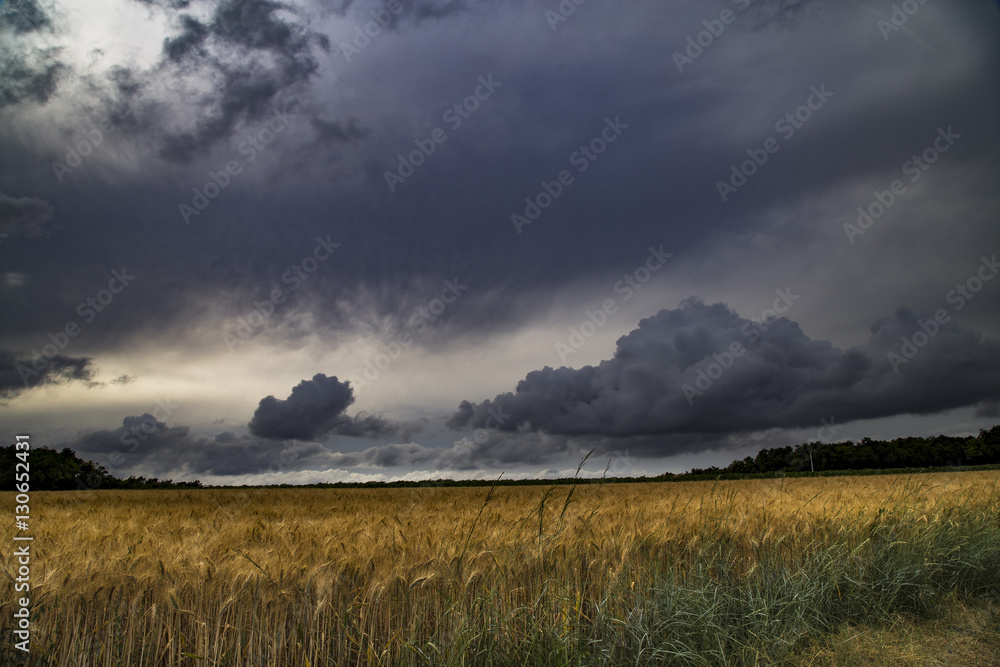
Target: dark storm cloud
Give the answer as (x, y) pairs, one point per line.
(660, 380)
(231, 47)
(28, 73)
(243, 94)
(31, 76)
(452, 216)
(144, 443)
(193, 35)
(253, 24)
(22, 16)
(25, 216)
(315, 408)
(19, 374)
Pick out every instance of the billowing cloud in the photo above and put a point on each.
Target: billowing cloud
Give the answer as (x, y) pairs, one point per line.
(315, 408)
(702, 369)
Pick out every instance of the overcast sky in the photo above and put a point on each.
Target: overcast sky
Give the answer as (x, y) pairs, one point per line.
(262, 241)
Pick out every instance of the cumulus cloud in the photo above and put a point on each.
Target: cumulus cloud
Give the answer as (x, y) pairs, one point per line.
(18, 375)
(677, 375)
(315, 408)
(25, 216)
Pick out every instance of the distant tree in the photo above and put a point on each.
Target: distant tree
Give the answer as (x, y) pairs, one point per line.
(52, 470)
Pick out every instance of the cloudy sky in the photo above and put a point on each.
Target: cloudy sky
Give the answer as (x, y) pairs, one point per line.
(312, 240)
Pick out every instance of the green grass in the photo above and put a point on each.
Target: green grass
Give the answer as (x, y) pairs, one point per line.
(706, 611)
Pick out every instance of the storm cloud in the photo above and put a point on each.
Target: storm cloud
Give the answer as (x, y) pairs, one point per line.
(315, 408)
(250, 80)
(30, 77)
(703, 369)
(217, 146)
(20, 374)
(23, 16)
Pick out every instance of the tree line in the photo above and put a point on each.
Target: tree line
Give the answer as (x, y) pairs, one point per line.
(934, 452)
(63, 470)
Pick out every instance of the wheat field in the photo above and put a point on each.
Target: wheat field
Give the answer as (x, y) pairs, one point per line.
(694, 573)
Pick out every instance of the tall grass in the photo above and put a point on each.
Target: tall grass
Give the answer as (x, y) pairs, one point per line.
(733, 573)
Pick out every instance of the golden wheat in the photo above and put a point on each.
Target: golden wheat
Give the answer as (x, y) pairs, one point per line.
(360, 576)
